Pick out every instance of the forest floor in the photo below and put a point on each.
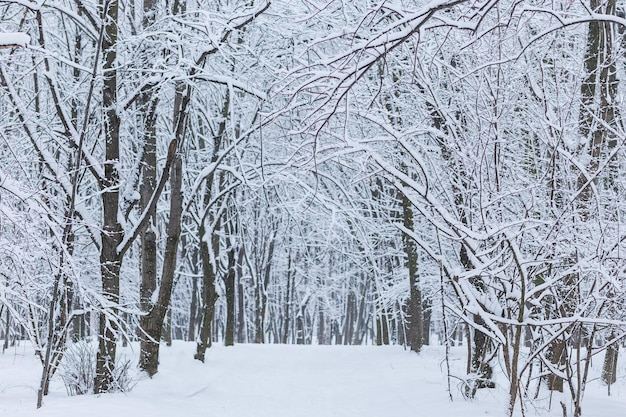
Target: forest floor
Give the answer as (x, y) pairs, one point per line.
(286, 381)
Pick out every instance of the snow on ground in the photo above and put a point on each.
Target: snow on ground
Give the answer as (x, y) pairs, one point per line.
(282, 381)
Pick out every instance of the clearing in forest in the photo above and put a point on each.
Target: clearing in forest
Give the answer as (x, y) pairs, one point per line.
(284, 381)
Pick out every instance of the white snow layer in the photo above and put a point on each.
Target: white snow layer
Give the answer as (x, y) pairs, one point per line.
(14, 39)
(285, 381)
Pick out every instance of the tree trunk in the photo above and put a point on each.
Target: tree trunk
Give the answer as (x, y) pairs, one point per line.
(362, 316)
(287, 306)
(152, 322)
(241, 308)
(262, 290)
(609, 368)
(229, 286)
(597, 109)
(193, 309)
(321, 328)
(209, 296)
(427, 314)
(382, 326)
(112, 234)
(258, 317)
(300, 326)
(108, 318)
(415, 324)
(7, 330)
(167, 328)
(348, 328)
(147, 237)
(480, 366)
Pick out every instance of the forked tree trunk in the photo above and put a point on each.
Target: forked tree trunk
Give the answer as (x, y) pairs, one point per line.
(152, 322)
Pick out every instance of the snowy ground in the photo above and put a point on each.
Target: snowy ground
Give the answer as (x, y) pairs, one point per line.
(282, 381)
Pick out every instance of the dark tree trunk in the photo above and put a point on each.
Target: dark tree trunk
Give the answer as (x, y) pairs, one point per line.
(287, 306)
(300, 327)
(242, 334)
(348, 328)
(258, 317)
(147, 237)
(597, 109)
(336, 333)
(107, 320)
(361, 324)
(557, 355)
(382, 327)
(321, 328)
(148, 259)
(110, 259)
(262, 290)
(229, 286)
(426, 311)
(167, 328)
(480, 351)
(193, 310)
(152, 322)
(609, 368)
(7, 330)
(209, 273)
(209, 296)
(385, 328)
(399, 317)
(240, 319)
(415, 323)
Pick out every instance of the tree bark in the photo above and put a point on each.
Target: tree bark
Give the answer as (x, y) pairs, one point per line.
(241, 308)
(152, 322)
(193, 306)
(415, 324)
(229, 286)
(112, 234)
(7, 330)
(262, 290)
(209, 295)
(382, 326)
(287, 305)
(609, 368)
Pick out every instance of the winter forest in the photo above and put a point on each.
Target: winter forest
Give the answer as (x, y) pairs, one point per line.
(446, 173)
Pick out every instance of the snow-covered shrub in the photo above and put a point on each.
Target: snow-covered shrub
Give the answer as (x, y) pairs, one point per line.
(78, 369)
